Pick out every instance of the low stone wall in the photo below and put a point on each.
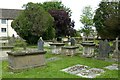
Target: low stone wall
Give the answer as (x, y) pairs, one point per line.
(26, 59)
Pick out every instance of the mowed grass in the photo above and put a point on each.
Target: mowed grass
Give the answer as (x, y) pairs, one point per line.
(52, 68)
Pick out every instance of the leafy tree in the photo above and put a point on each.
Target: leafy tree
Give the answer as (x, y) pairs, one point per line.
(61, 14)
(55, 5)
(49, 34)
(107, 20)
(63, 24)
(32, 22)
(87, 20)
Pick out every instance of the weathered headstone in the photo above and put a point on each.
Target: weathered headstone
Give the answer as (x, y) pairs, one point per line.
(104, 49)
(116, 50)
(72, 41)
(40, 44)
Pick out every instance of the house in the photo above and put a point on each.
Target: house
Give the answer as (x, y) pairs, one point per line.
(6, 17)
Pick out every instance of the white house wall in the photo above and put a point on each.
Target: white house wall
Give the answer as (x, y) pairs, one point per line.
(9, 30)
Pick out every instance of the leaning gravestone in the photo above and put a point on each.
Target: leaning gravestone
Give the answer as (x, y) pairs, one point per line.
(104, 49)
(40, 44)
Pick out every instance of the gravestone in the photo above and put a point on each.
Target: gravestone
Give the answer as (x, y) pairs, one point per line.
(40, 43)
(104, 49)
(116, 50)
(72, 41)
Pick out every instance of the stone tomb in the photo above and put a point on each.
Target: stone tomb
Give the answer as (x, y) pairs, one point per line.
(83, 71)
(88, 49)
(26, 59)
(70, 50)
(56, 47)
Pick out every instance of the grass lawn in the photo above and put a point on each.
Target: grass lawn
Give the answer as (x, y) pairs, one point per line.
(52, 68)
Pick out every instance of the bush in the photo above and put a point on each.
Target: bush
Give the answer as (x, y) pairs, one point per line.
(20, 42)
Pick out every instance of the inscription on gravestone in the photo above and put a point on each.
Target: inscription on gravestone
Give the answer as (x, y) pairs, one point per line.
(104, 49)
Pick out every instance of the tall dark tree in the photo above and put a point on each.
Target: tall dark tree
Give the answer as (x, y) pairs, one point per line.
(107, 20)
(63, 24)
(61, 14)
(32, 22)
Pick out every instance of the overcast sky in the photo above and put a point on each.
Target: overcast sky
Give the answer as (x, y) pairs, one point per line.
(75, 5)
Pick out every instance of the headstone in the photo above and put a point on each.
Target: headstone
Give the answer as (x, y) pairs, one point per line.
(72, 41)
(40, 43)
(104, 49)
(116, 50)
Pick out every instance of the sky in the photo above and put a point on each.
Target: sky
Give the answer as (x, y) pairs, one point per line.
(76, 6)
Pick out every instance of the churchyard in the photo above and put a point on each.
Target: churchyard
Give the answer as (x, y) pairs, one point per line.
(61, 60)
(47, 44)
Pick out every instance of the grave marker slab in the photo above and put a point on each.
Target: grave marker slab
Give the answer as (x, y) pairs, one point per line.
(112, 67)
(83, 71)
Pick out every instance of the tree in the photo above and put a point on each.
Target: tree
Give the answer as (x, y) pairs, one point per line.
(63, 25)
(107, 20)
(32, 22)
(55, 5)
(49, 34)
(87, 20)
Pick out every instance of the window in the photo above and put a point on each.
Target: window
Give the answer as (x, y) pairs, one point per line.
(3, 21)
(3, 29)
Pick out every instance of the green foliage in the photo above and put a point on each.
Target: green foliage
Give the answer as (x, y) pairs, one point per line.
(19, 43)
(61, 15)
(107, 19)
(32, 22)
(55, 5)
(87, 20)
(76, 34)
(86, 17)
(49, 34)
